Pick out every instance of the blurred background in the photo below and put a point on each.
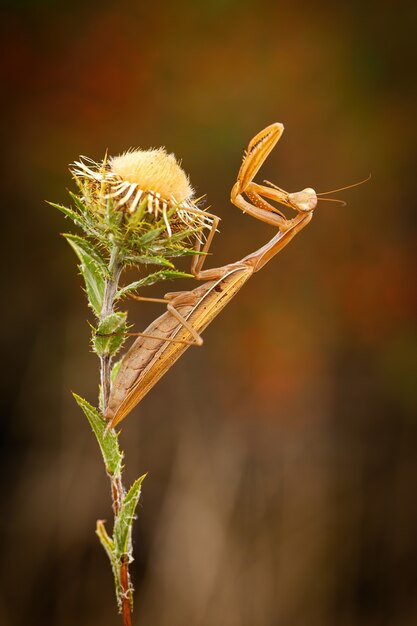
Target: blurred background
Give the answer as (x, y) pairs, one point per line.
(281, 455)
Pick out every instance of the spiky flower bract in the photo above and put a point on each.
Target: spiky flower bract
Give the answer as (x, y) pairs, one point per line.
(148, 182)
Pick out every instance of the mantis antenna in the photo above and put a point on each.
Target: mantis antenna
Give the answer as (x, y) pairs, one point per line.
(324, 193)
(342, 202)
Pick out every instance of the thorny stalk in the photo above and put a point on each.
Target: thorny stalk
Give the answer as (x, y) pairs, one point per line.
(110, 288)
(117, 488)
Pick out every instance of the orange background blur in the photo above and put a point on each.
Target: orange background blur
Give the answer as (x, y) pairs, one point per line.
(282, 455)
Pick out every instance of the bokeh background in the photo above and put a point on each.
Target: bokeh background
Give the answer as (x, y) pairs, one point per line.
(282, 455)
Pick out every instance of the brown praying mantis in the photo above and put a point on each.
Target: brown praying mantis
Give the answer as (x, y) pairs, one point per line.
(190, 312)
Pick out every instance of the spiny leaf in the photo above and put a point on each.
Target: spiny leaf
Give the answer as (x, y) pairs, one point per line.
(150, 280)
(70, 213)
(113, 218)
(90, 218)
(108, 545)
(81, 206)
(176, 252)
(183, 234)
(124, 520)
(138, 214)
(90, 249)
(143, 259)
(114, 370)
(93, 275)
(107, 439)
(107, 542)
(110, 334)
(148, 237)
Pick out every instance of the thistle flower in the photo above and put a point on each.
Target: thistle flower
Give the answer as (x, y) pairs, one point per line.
(135, 210)
(152, 179)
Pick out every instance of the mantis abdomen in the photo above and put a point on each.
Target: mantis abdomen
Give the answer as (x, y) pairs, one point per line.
(148, 359)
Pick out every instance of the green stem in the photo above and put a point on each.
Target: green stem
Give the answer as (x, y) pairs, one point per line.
(117, 490)
(110, 289)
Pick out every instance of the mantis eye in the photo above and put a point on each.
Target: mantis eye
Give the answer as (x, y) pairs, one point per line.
(305, 200)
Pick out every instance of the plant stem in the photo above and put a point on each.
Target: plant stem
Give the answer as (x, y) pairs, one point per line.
(117, 489)
(110, 290)
(126, 591)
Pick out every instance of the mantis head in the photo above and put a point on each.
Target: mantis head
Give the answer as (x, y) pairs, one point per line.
(303, 201)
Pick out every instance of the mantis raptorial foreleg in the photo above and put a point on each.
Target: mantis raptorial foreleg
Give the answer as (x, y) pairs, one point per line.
(198, 260)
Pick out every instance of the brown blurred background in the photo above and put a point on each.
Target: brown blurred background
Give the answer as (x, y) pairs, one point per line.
(282, 455)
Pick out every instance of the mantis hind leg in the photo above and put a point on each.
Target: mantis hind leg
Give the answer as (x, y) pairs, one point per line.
(197, 339)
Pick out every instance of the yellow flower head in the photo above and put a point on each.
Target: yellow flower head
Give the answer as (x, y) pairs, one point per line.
(153, 177)
(153, 170)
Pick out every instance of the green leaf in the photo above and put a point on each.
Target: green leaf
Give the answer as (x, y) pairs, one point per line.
(110, 334)
(89, 218)
(109, 547)
(137, 216)
(92, 272)
(115, 370)
(143, 259)
(81, 206)
(184, 234)
(148, 237)
(150, 280)
(124, 520)
(70, 213)
(176, 252)
(113, 218)
(89, 249)
(107, 439)
(106, 541)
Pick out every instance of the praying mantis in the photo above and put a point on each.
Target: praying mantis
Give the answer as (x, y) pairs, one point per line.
(190, 312)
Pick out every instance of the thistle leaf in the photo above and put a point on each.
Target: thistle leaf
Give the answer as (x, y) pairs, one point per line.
(85, 217)
(184, 234)
(108, 546)
(92, 271)
(107, 439)
(176, 252)
(143, 259)
(85, 212)
(113, 218)
(105, 540)
(110, 334)
(70, 213)
(124, 520)
(148, 237)
(89, 249)
(114, 370)
(81, 206)
(150, 280)
(137, 216)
